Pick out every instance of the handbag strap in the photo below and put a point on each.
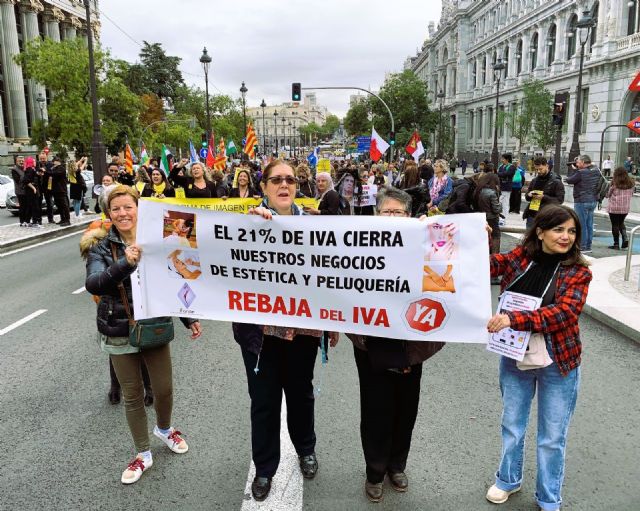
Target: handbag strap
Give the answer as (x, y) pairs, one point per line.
(123, 293)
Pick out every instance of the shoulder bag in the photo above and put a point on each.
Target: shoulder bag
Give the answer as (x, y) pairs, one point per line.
(146, 333)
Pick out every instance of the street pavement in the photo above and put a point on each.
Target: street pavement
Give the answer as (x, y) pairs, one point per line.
(65, 446)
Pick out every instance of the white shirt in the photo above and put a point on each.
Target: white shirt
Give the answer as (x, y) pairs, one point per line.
(607, 164)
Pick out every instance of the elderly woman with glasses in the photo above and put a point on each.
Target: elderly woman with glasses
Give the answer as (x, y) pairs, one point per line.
(330, 203)
(279, 359)
(389, 371)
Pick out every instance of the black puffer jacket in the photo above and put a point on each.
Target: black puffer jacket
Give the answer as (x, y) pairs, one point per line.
(458, 202)
(420, 198)
(103, 276)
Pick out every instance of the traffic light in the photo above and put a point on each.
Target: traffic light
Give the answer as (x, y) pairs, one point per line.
(392, 137)
(559, 108)
(296, 91)
(204, 140)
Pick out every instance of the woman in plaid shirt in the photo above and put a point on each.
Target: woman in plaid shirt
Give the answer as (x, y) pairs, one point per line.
(547, 264)
(619, 195)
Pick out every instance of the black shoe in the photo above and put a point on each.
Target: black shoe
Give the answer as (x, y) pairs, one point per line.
(114, 395)
(373, 491)
(614, 247)
(64, 224)
(399, 481)
(309, 466)
(625, 244)
(260, 488)
(148, 396)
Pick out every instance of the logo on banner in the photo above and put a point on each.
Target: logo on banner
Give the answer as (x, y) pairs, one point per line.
(425, 315)
(186, 295)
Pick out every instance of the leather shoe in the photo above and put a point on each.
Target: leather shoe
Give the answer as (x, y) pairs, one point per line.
(148, 396)
(373, 491)
(309, 466)
(114, 395)
(260, 488)
(399, 481)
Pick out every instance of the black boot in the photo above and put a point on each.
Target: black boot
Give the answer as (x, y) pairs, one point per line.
(148, 396)
(114, 391)
(148, 391)
(625, 241)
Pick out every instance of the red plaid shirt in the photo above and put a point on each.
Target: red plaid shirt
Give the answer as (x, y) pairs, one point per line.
(557, 321)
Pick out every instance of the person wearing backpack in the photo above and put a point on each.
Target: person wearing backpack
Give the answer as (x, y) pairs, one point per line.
(586, 194)
(517, 182)
(506, 171)
(461, 199)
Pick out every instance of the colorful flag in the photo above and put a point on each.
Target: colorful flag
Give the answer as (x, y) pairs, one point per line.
(128, 159)
(220, 161)
(415, 147)
(211, 156)
(193, 156)
(313, 158)
(250, 143)
(378, 145)
(144, 156)
(164, 160)
(231, 148)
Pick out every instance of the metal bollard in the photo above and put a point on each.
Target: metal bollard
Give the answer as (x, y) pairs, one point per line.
(627, 268)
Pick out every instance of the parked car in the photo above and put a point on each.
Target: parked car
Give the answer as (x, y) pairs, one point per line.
(6, 186)
(12, 201)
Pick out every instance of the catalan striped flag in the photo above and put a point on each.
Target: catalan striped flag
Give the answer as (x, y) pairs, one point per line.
(220, 161)
(128, 159)
(250, 144)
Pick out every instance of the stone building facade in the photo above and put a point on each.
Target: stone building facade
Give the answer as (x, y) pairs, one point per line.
(20, 22)
(537, 39)
(286, 124)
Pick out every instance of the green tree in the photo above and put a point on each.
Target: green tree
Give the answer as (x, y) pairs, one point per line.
(357, 122)
(330, 126)
(162, 75)
(63, 67)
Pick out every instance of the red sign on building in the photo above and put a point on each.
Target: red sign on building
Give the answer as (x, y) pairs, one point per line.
(634, 86)
(634, 125)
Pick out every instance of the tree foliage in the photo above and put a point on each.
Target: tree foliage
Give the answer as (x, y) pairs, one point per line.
(357, 122)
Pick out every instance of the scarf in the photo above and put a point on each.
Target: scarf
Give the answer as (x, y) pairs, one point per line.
(437, 186)
(295, 210)
(140, 186)
(159, 189)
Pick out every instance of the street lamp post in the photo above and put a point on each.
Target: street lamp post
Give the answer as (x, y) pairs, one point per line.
(583, 27)
(498, 67)
(41, 102)
(205, 60)
(243, 92)
(264, 132)
(284, 133)
(440, 96)
(290, 137)
(275, 129)
(98, 151)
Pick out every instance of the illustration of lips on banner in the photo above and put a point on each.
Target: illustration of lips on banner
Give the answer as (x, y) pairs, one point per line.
(384, 276)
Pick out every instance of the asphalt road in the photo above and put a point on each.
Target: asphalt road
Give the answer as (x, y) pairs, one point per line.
(64, 445)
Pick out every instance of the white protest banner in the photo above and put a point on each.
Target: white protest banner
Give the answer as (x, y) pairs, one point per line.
(383, 276)
(367, 197)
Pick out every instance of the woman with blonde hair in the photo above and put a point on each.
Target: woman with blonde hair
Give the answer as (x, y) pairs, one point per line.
(77, 185)
(196, 182)
(440, 185)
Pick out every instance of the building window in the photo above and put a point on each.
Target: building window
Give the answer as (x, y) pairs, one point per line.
(501, 121)
(594, 29)
(471, 126)
(480, 123)
(584, 106)
(572, 35)
(551, 45)
(633, 11)
(519, 58)
(534, 51)
(506, 61)
(565, 126)
(474, 74)
(489, 121)
(454, 75)
(483, 71)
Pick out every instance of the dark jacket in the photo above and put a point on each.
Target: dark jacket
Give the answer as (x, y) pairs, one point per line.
(190, 190)
(416, 351)
(420, 199)
(103, 276)
(55, 179)
(147, 191)
(307, 189)
(489, 203)
(17, 173)
(585, 184)
(235, 192)
(79, 188)
(506, 173)
(458, 200)
(331, 204)
(552, 189)
(30, 177)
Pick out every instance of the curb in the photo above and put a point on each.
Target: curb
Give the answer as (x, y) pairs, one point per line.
(612, 323)
(44, 236)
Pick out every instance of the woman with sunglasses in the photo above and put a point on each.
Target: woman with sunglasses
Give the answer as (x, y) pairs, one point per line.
(279, 359)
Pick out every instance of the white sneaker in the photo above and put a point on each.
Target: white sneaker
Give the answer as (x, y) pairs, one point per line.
(135, 469)
(173, 440)
(498, 496)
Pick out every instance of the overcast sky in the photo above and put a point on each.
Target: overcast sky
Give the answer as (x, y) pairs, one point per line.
(271, 43)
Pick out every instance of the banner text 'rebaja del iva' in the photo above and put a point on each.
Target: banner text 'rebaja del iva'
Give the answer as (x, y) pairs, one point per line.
(382, 276)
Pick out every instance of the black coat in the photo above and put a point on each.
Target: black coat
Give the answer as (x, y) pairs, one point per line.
(79, 188)
(552, 189)
(17, 174)
(55, 179)
(458, 202)
(147, 191)
(103, 276)
(420, 198)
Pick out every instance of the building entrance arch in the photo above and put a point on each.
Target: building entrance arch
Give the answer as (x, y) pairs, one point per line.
(630, 110)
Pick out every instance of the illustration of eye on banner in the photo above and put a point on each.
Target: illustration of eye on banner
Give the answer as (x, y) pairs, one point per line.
(383, 276)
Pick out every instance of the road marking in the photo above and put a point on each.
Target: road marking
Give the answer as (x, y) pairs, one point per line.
(286, 485)
(79, 291)
(17, 251)
(22, 321)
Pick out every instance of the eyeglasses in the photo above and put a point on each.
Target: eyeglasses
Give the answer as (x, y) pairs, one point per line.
(277, 180)
(392, 212)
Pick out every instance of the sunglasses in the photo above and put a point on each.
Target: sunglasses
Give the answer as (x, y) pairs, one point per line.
(277, 180)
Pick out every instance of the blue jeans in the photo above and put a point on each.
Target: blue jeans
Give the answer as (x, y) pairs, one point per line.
(557, 396)
(585, 210)
(77, 204)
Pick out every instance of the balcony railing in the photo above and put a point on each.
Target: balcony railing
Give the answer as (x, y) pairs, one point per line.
(629, 42)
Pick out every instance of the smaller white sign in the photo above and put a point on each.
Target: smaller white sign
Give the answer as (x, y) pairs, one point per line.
(630, 140)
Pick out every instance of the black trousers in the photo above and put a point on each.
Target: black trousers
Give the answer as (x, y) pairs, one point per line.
(515, 200)
(617, 227)
(48, 199)
(388, 411)
(62, 203)
(282, 366)
(23, 208)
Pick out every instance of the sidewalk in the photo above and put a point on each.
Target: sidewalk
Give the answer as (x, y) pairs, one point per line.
(13, 237)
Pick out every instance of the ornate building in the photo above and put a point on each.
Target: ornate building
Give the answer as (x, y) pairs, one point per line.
(536, 39)
(284, 127)
(23, 101)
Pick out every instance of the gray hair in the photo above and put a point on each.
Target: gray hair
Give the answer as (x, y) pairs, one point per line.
(585, 158)
(394, 193)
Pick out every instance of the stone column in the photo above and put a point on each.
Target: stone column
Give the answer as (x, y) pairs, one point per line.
(30, 10)
(53, 17)
(2, 133)
(14, 85)
(72, 28)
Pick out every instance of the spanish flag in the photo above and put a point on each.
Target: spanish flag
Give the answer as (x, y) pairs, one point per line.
(250, 144)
